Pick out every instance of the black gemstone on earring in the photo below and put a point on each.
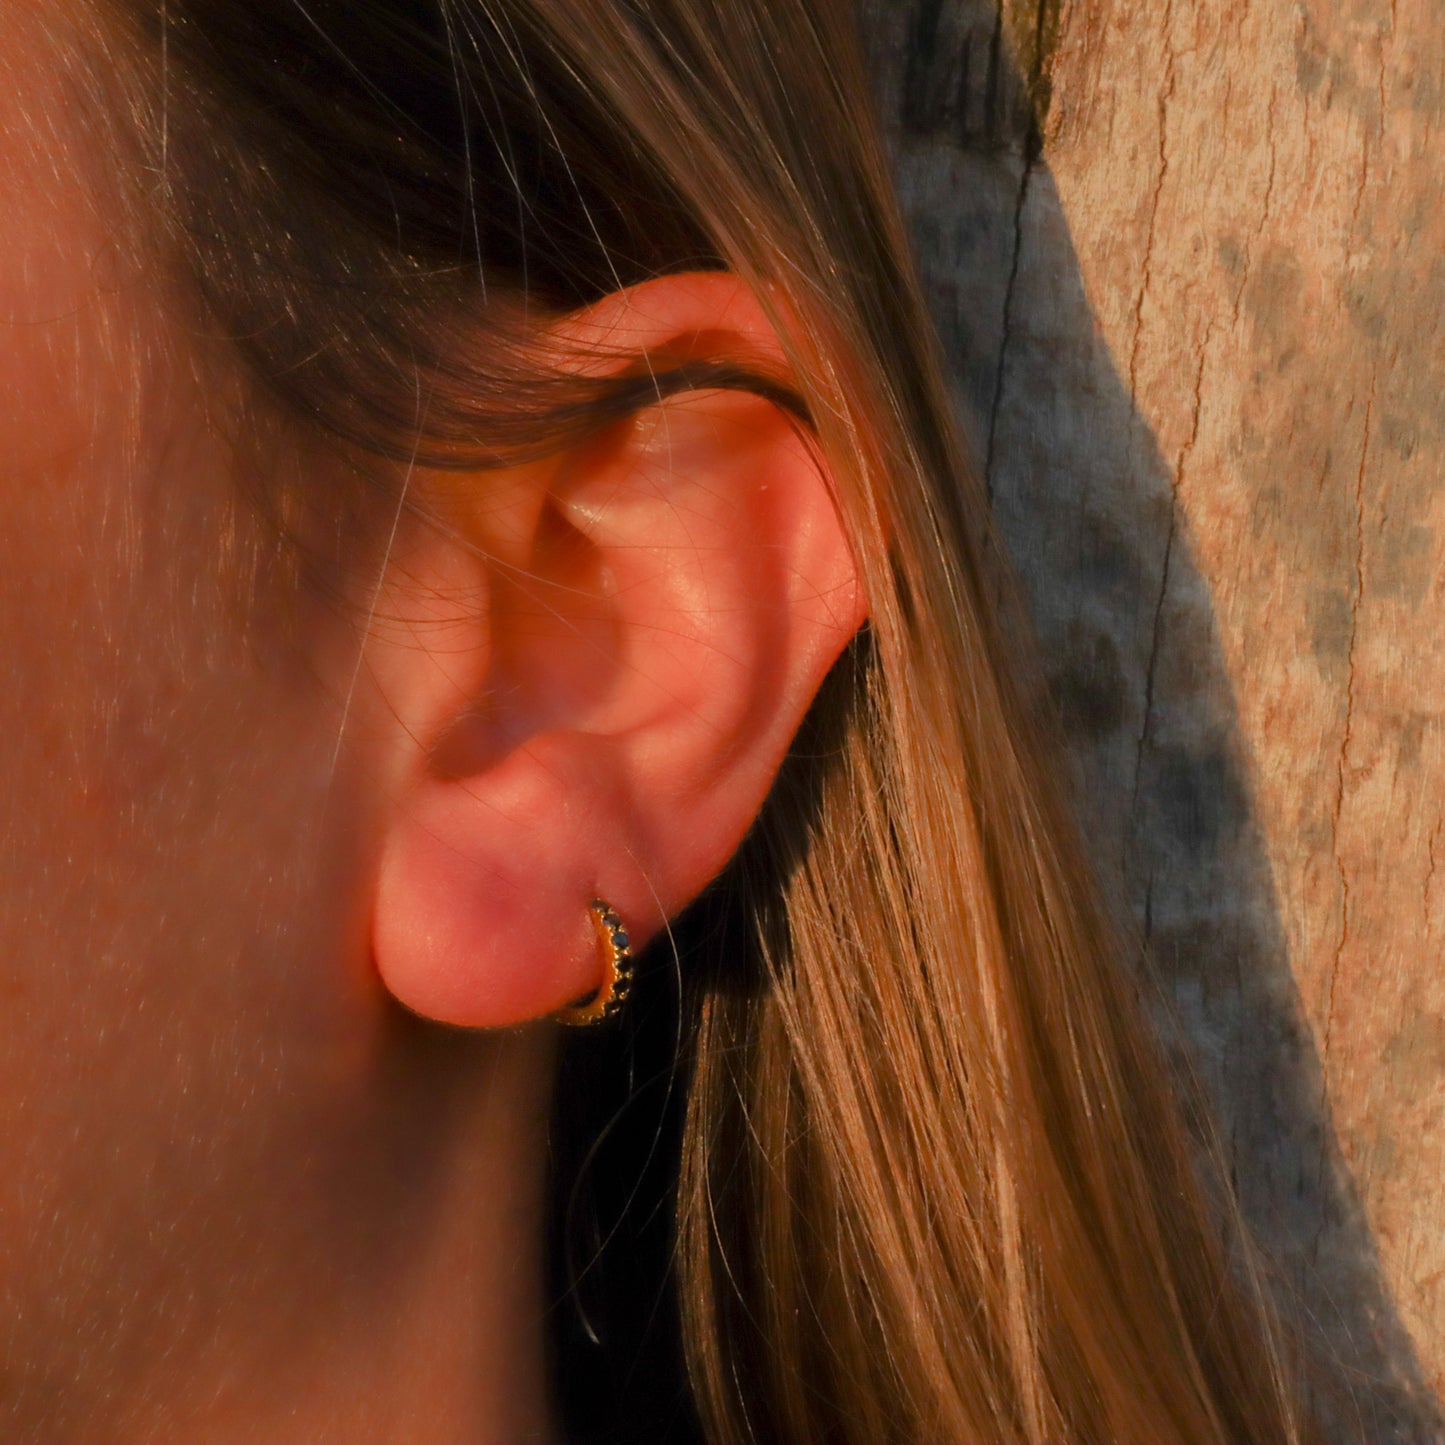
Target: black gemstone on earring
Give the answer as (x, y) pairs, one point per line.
(606, 1001)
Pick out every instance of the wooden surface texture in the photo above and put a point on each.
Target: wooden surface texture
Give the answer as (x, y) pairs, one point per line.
(1188, 260)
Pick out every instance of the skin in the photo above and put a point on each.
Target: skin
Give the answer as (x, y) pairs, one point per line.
(244, 1195)
(262, 853)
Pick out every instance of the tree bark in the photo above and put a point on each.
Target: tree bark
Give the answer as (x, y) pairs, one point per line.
(1188, 261)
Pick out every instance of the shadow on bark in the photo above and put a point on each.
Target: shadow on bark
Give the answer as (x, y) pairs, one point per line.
(1084, 504)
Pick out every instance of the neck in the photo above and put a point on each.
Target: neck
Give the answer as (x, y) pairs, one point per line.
(410, 1304)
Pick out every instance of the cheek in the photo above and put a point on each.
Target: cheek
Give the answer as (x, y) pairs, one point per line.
(181, 921)
(84, 437)
(185, 993)
(70, 427)
(182, 946)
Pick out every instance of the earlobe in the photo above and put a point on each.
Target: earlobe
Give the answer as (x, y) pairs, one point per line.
(482, 902)
(654, 625)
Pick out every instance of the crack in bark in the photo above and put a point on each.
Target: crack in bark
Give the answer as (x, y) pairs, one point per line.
(1348, 734)
(1175, 485)
(1379, 136)
(1154, 647)
(1166, 94)
(1341, 764)
(1020, 201)
(1360, 191)
(1430, 878)
(1273, 159)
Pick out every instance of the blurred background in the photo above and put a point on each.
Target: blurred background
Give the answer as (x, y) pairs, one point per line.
(1188, 263)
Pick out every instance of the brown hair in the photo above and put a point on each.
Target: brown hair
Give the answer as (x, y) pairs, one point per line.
(934, 1181)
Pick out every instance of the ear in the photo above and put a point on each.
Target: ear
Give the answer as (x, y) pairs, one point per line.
(597, 690)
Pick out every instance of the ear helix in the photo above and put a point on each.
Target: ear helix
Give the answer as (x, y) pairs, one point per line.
(617, 966)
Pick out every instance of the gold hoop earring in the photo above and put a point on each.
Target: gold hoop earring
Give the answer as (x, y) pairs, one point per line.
(617, 965)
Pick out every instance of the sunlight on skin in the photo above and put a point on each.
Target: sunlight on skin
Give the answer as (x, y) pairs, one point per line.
(235, 836)
(227, 1157)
